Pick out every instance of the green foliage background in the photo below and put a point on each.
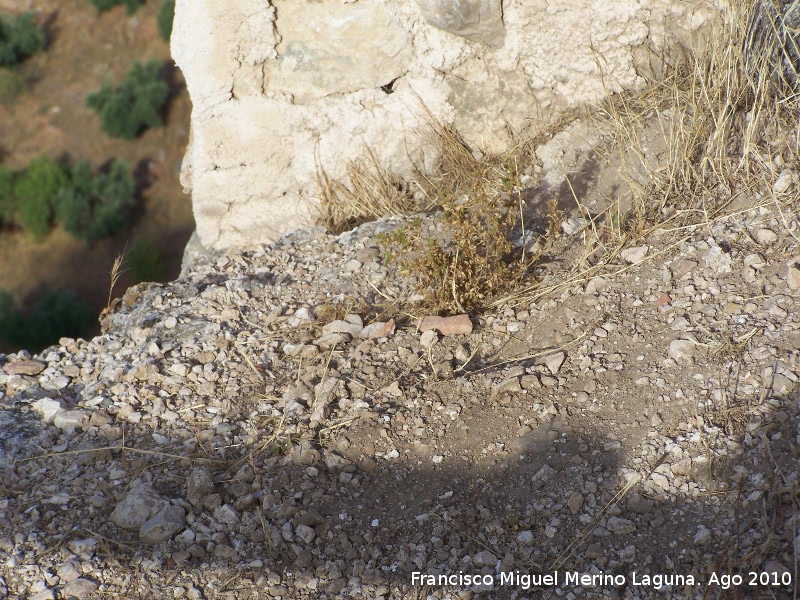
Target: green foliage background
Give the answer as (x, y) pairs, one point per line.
(134, 106)
(164, 19)
(20, 37)
(56, 314)
(88, 206)
(130, 5)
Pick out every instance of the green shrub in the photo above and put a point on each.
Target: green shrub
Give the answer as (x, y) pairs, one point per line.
(145, 261)
(12, 83)
(8, 308)
(130, 5)
(94, 207)
(134, 106)
(8, 203)
(20, 37)
(57, 314)
(164, 18)
(35, 189)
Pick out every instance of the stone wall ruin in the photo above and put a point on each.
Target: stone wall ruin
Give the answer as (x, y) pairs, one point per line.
(281, 86)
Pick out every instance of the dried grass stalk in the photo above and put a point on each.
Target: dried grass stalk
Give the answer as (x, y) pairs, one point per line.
(372, 192)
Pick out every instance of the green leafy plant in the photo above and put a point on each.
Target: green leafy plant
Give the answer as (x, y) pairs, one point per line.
(94, 207)
(34, 190)
(164, 18)
(8, 203)
(130, 5)
(135, 105)
(20, 37)
(56, 314)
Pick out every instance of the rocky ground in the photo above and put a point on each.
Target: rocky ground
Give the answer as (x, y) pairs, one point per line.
(260, 428)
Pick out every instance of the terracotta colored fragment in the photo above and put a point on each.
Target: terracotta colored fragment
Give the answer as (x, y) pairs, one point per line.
(24, 367)
(377, 330)
(665, 299)
(458, 324)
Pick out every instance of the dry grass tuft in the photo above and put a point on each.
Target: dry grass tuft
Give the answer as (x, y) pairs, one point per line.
(373, 192)
(115, 273)
(726, 116)
(721, 112)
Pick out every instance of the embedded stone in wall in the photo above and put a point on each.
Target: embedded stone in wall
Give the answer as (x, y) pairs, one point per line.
(333, 48)
(479, 20)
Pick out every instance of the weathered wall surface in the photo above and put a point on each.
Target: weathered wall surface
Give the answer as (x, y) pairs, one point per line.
(281, 86)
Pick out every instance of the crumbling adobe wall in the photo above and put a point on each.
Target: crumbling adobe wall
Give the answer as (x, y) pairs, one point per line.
(280, 87)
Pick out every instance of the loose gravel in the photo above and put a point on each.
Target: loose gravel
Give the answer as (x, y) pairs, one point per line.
(270, 425)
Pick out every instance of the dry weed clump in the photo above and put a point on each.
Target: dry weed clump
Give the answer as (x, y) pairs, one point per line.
(373, 192)
(723, 112)
(467, 258)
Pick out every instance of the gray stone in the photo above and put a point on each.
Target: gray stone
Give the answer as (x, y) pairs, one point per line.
(682, 351)
(139, 505)
(574, 225)
(84, 546)
(594, 551)
(620, 526)
(48, 407)
(702, 537)
(783, 182)
(718, 260)
(79, 588)
(57, 383)
(479, 20)
(305, 533)
(554, 362)
(793, 276)
(484, 558)
(542, 476)
(330, 340)
(378, 330)
(781, 385)
(311, 518)
(508, 386)
(167, 522)
(575, 502)
(199, 484)
(428, 338)
(765, 237)
(334, 327)
(226, 514)
(754, 261)
(638, 504)
(69, 570)
(525, 537)
(70, 420)
(634, 255)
